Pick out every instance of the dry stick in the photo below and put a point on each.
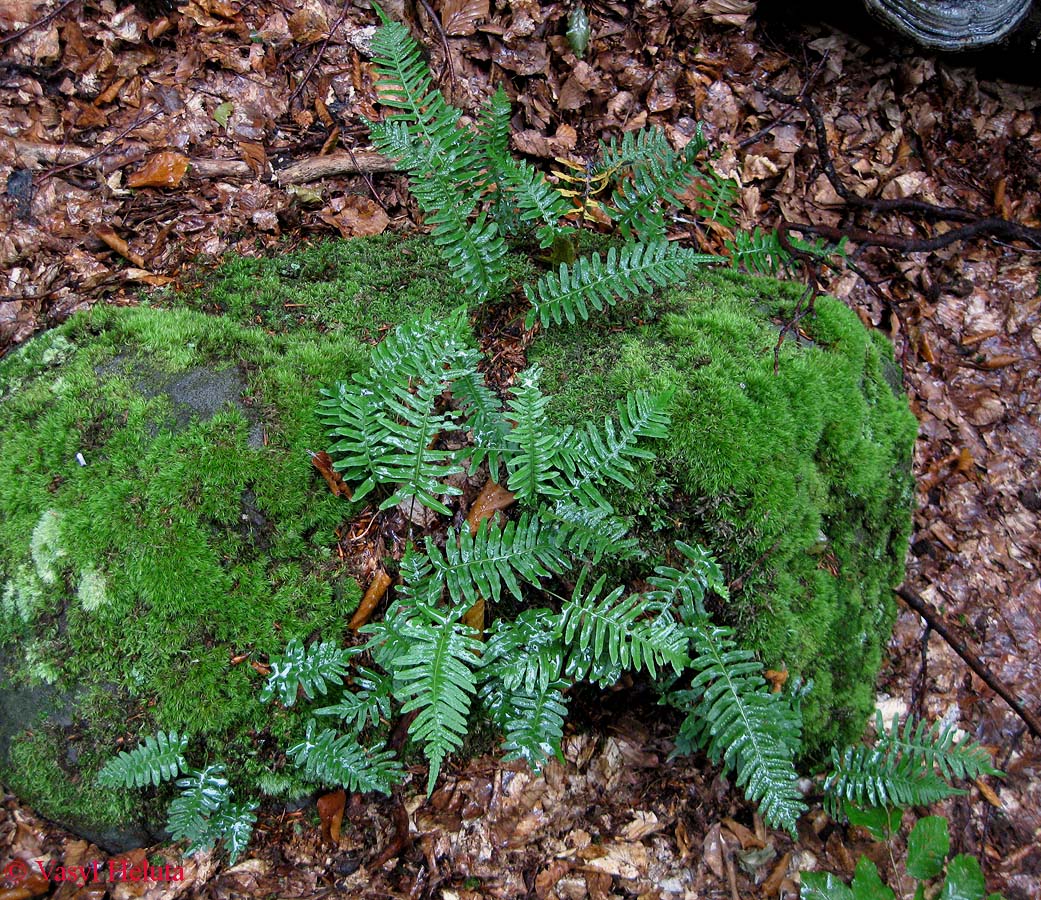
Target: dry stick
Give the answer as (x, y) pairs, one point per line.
(39, 23)
(137, 123)
(933, 618)
(311, 169)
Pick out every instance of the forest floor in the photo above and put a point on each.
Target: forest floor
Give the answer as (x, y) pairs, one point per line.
(136, 140)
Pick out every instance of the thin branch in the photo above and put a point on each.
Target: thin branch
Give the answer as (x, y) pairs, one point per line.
(39, 23)
(935, 621)
(319, 54)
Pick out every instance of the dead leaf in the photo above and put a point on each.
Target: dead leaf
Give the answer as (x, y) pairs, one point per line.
(535, 143)
(330, 811)
(460, 17)
(377, 588)
(989, 794)
(107, 234)
(474, 616)
(355, 216)
(492, 498)
(713, 849)
(643, 824)
(772, 886)
(323, 462)
(309, 24)
(164, 169)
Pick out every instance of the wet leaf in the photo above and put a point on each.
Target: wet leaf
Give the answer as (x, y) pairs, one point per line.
(381, 581)
(164, 170)
(330, 812)
(460, 17)
(323, 462)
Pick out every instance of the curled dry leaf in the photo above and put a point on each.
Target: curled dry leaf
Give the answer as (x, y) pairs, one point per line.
(377, 588)
(163, 170)
(330, 811)
(492, 498)
(355, 216)
(323, 462)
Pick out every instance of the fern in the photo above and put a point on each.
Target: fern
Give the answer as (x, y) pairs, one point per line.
(527, 652)
(593, 283)
(734, 718)
(906, 767)
(434, 677)
(594, 529)
(203, 792)
(356, 709)
(617, 629)
(688, 586)
(158, 759)
(480, 564)
(658, 174)
(535, 446)
(758, 251)
(534, 723)
(330, 759)
(233, 825)
(309, 670)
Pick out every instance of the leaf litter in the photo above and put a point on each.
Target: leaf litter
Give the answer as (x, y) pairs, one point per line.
(138, 138)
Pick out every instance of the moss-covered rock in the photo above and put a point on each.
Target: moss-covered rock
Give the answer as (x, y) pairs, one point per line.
(160, 523)
(800, 482)
(159, 517)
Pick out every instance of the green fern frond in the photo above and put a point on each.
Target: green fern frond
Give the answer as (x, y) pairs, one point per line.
(435, 677)
(717, 198)
(872, 776)
(592, 283)
(539, 204)
(356, 709)
(599, 455)
(658, 173)
(330, 759)
(493, 126)
(688, 586)
(480, 564)
(483, 416)
(933, 747)
(535, 445)
(475, 253)
(158, 759)
(357, 430)
(759, 252)
(616, 627)
(592, 528)
(734, 718)
(526, 653)
(309, 670)
(203, 792)
(535, 724)
(233, 825)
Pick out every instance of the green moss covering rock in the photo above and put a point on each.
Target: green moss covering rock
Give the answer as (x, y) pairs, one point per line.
(159, 517)
(800, 482)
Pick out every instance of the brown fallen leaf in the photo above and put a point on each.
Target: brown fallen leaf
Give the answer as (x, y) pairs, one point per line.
(355, 216)
(989, 794)
(107, 234)
(492, 498)
(474, 616)
(999, 361)
(323, 462)
(377, 588)
(772, 886)
(330, 811)
(460, 17)
(777, 679)
(164, 169)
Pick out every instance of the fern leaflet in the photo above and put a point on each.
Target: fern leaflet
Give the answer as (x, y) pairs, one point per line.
(535, 445)
(356, 709)
(330, 759)
(158, 759)
(735, 718)
(527, 652)
(593, 283)
(203, 792)
(307, 670)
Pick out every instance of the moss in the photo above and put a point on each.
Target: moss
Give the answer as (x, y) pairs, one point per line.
(159, 515)
(800, 482)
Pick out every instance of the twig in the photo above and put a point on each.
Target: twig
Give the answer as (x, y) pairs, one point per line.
(133, 126)
(449, 68)
(319, 54)
(39, 23)
(933, 618)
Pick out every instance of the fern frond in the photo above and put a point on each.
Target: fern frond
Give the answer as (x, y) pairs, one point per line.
(526, 653)
(535, 724)
(233, 825)
(688, 586)
(599, 455)
(483, 416)
(475, 253)
(480, 564)
(734, 717)
(716, 198)
(309, 670)
(592, 283)
(493, 126)
(539, 204)
(616, 627)
(872, 776)
(203, 792)
(933, 747)
(536, 445)
(358, 432)
(658, 173)
(356, 709)
(585, 527)
(158, 759)
(330, 759)
(759, 252)
(435, 677)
